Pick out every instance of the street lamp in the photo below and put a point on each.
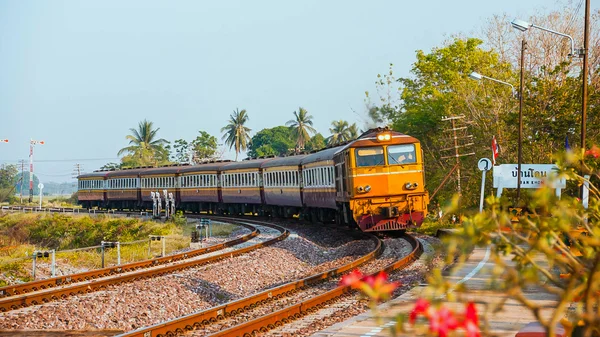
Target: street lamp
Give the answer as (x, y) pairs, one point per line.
(32, 143)
(478, 77)
(524, 25)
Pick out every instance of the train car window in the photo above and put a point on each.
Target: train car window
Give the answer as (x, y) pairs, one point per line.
(401, 154)
(369, 156)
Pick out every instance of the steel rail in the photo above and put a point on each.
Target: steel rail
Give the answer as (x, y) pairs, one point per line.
(212, 315)
(283, 316)
(15, 302)
(24, 288)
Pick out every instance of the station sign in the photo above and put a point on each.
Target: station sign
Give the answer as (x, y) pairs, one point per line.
(532, 176)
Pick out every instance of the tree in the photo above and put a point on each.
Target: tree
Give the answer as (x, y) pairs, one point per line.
(182, 150)
(353, 131)
(440, 87)
(340, 133)
(300, 127)
(8, 178)
(317, 142)
(204, 147)
(236, 134)
(110, 166)
(144, 148)
(277, 141)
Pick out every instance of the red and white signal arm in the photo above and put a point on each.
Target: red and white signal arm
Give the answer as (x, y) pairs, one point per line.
(3, 140)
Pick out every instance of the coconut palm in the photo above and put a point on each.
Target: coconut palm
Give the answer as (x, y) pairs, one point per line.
(236, 134)
(339, 132)
(300, 127)
(143, 145)
(353, 131)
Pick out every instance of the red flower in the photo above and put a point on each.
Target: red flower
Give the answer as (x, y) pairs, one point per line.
(471, 322)
(594, 152)
(421, 307)
(442, 321)
(353, 279)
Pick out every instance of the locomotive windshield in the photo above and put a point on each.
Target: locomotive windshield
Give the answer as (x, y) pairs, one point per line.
(369, 156)
(401, 154)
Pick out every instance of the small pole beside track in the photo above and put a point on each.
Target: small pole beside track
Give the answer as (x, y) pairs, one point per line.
(53, 262)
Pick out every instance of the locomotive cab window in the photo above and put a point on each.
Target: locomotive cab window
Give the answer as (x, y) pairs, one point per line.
(401, 154)
(369, 156)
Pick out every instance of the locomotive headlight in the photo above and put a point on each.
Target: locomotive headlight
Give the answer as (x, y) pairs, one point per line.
(365, 189)
(384, 137)
(411, 186)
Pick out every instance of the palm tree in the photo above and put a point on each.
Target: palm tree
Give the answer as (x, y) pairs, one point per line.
(143, 144)
(300, 127)
(353, 131)
(236, 134)
(339, 132)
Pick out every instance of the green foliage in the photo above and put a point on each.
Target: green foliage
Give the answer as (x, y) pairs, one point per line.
(204, 146)
(59, 231)
(301, 126)
(440, 87)
(553, 246)
(317, 142)
(144, 149)
(181, 147)
(111, 166)
(237, 135)
(277, 141)
(340, 132)
(8, 181)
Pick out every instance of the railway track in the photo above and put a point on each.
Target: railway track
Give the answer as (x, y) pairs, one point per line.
(282, 304)
(52, 289)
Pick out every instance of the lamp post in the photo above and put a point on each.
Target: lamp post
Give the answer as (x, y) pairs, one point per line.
(32, 143)
(478, 77)
(523, 26)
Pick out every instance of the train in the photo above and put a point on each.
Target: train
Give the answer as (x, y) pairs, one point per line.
(375, 182)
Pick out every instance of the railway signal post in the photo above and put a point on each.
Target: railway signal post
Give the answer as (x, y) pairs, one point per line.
(41, 254)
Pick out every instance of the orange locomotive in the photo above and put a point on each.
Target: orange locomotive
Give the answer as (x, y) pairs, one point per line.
(376, 182)
(380, 181)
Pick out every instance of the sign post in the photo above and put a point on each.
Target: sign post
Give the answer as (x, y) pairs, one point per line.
(41, 187)
(484, 165)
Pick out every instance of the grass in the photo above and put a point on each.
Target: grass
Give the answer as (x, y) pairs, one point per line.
(23, 233)
(430, 227)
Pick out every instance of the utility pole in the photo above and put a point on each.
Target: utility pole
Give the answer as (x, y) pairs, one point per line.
(462, 140)
(32, 143)
(22, 180)
(77, 170)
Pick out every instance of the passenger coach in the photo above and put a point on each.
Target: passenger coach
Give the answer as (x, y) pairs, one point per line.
(375, 182)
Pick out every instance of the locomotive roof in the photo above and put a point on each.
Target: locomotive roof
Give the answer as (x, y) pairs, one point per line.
(284, 161)
(326, 154)
(95, 174)
(253, 163)
(204, 167)
(369, 138)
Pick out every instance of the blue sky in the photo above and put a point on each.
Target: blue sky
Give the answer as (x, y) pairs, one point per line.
(79, 74)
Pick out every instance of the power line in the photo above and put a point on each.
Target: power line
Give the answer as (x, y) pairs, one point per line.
(66, 160)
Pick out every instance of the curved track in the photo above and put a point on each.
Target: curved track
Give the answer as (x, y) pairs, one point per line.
(52, 289)
(203, 319)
